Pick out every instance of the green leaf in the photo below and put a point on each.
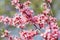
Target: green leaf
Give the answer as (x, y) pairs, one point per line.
(58, 23)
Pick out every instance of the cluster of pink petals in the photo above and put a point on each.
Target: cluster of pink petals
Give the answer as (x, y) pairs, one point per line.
(28, 35)
(50, 1)
(6, 33)
(26, 17)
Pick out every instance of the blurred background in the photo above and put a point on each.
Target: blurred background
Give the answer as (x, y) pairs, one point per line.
(7, 9)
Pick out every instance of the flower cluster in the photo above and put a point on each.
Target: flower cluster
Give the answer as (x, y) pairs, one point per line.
(28, 35)
(40, 21)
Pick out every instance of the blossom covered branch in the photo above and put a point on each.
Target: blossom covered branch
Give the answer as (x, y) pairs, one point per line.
(26, 16)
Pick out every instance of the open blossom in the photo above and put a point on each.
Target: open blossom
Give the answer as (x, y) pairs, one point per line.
(19, 21)
(50, 1)
(27, 12)
(36, 20)
(52, 19)
(14, 2)
(10, 37)
(27, 3)
(28, 35)
(7, 20)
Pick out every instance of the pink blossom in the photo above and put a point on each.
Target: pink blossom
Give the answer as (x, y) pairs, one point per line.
(14, 2)
(50, 1)
(28, 35)
(26, 17)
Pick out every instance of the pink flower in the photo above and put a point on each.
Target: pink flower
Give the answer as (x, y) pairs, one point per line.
(1, 18)
(26, 16)
(14, 2)
(27, 3)
(36, 20)
(50, 1)
(28, 35)
(6, 33)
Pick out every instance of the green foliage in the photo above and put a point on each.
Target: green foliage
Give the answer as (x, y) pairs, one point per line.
(58, 23)
(2, 30)
(36, 6)
(29, 26)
